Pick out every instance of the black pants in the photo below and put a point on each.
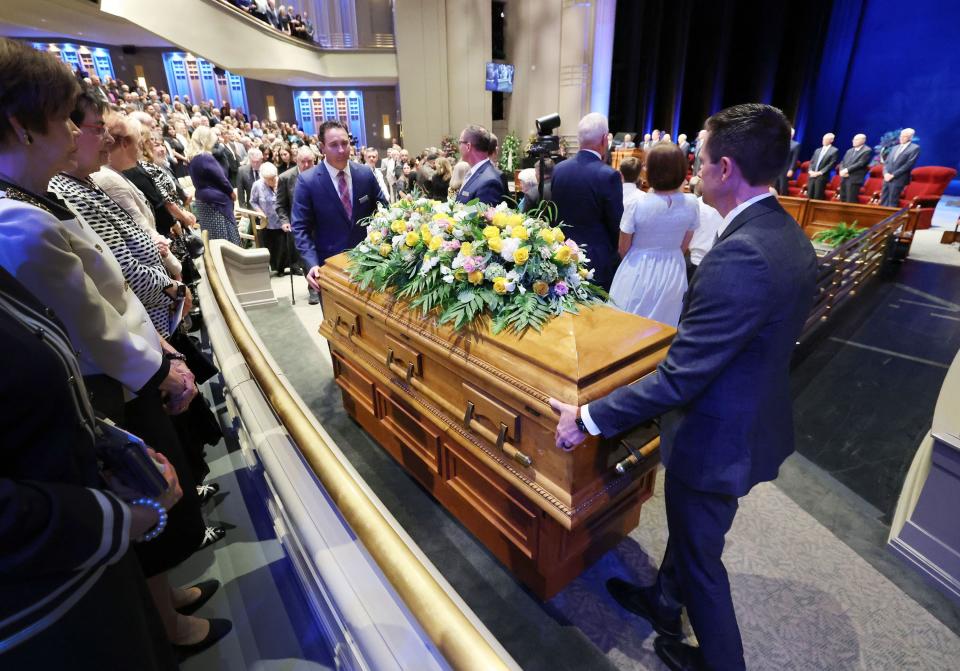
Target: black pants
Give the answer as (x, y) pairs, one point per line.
(890, 195)
(816, 187)
(850, 189)
(692, 572)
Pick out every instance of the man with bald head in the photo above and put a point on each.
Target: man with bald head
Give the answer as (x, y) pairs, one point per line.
(853, 169)
(896, 168)
(821, 163)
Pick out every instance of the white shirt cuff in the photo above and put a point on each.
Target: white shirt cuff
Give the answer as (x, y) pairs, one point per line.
(592, 428)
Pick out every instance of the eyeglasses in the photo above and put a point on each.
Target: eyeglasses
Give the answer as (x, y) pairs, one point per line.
(100, 128)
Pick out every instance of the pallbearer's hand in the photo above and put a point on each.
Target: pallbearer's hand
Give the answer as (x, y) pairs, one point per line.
(568, 435)
(312, 276)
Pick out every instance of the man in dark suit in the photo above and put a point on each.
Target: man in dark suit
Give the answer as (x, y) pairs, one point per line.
(330, 199)
(247, 174)
(589, 198)
(723, 391)
(286, 188)
(782, 185)
(853, 169)
(483, 181)
(684, 145)
(897, 167)
(821, 163)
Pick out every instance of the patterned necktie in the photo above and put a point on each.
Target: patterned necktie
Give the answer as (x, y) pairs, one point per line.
(345, 194)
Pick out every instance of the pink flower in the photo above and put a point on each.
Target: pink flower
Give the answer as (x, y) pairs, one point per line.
(469, 264)
(488, 215)
(561, 288)
(450, 245)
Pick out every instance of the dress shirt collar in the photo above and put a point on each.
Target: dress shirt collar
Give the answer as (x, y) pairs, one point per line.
(474, 170)
(629, 188)
(335, 176)
(732, 214)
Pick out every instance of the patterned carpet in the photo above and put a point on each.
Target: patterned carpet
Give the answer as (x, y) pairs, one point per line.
(805, 601)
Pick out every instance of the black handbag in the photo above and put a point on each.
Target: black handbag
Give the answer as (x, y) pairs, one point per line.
(125, 456)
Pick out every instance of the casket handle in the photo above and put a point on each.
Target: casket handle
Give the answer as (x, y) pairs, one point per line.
(502, 436)
(389, 356)
(410, 369)
(468, 415)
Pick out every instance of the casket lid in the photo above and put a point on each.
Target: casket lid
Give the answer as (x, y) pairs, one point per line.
(600, 341)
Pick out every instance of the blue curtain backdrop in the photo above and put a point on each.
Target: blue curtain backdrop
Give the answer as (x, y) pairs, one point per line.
(845, 66)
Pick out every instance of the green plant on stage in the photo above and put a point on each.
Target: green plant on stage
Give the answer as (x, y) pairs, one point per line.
(839, 234)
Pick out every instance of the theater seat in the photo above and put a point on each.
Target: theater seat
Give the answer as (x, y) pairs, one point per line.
(926, 185)
(832, 191)
(870, 192)
(799, 186)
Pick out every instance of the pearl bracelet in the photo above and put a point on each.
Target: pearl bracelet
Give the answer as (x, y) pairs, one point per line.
(161, 523)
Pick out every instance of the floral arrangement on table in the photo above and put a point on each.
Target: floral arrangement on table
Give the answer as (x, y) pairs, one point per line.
(450, 148)
(462, 262)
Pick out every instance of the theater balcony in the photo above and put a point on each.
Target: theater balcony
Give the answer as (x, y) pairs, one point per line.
(353, 44)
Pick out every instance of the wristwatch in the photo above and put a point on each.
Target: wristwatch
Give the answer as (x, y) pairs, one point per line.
(181, 290)
(581, 425)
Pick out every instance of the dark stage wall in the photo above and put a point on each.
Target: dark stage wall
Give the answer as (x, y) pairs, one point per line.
(889, 64)
(845, 66)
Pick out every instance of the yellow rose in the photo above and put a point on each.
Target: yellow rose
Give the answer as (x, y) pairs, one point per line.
(376, 237)
(500, 285)
(476, 277)
(412, 239)
(435, 243)
(501, 219)
(399, 226)
(546, 234)
(562, 255)
(385, 249)
(459, 274)
(515, 220)
(541, 288)
(425, 231)
(583, 272)
(491, 232)
(558, 235)
(521, 255)
(495, 244)
(466, 249)
(519, 232)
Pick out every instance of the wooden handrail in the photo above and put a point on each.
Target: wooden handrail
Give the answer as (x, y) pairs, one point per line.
(452, 632)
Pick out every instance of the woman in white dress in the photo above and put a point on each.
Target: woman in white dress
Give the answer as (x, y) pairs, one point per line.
(654, 234)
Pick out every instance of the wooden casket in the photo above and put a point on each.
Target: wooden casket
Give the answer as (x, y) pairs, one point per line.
(467, 415)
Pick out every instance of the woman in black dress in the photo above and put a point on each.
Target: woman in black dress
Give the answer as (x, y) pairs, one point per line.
(175, 151)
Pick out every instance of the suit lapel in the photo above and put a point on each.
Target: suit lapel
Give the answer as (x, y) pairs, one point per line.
(759, 208)
(463, 189)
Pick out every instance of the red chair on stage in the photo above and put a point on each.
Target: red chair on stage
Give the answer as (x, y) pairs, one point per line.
(926, 185)
(832, 191)
(799, 186)
(870, 192)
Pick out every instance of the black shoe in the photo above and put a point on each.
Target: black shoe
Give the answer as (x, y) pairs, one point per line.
(677, 655)
(207, 589)
(640, 600)
(211, 536)
(207, 492)
(218, 629)
(314, 297)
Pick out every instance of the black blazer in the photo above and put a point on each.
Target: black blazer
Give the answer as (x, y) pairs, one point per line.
(857, 162)
(724, 388)
(830, 156)
(900, 163)
(589, 198)
(286, 185)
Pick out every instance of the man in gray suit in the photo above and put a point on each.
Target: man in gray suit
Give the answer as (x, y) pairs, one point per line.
(897, 167)
(821, 163)
(853, 169)
(248, 173)
(723, 391)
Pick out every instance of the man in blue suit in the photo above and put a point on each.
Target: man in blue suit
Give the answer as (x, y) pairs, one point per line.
(723, 390)
(589, 198)
(896, 168)
(329, 200)
(483, 181)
